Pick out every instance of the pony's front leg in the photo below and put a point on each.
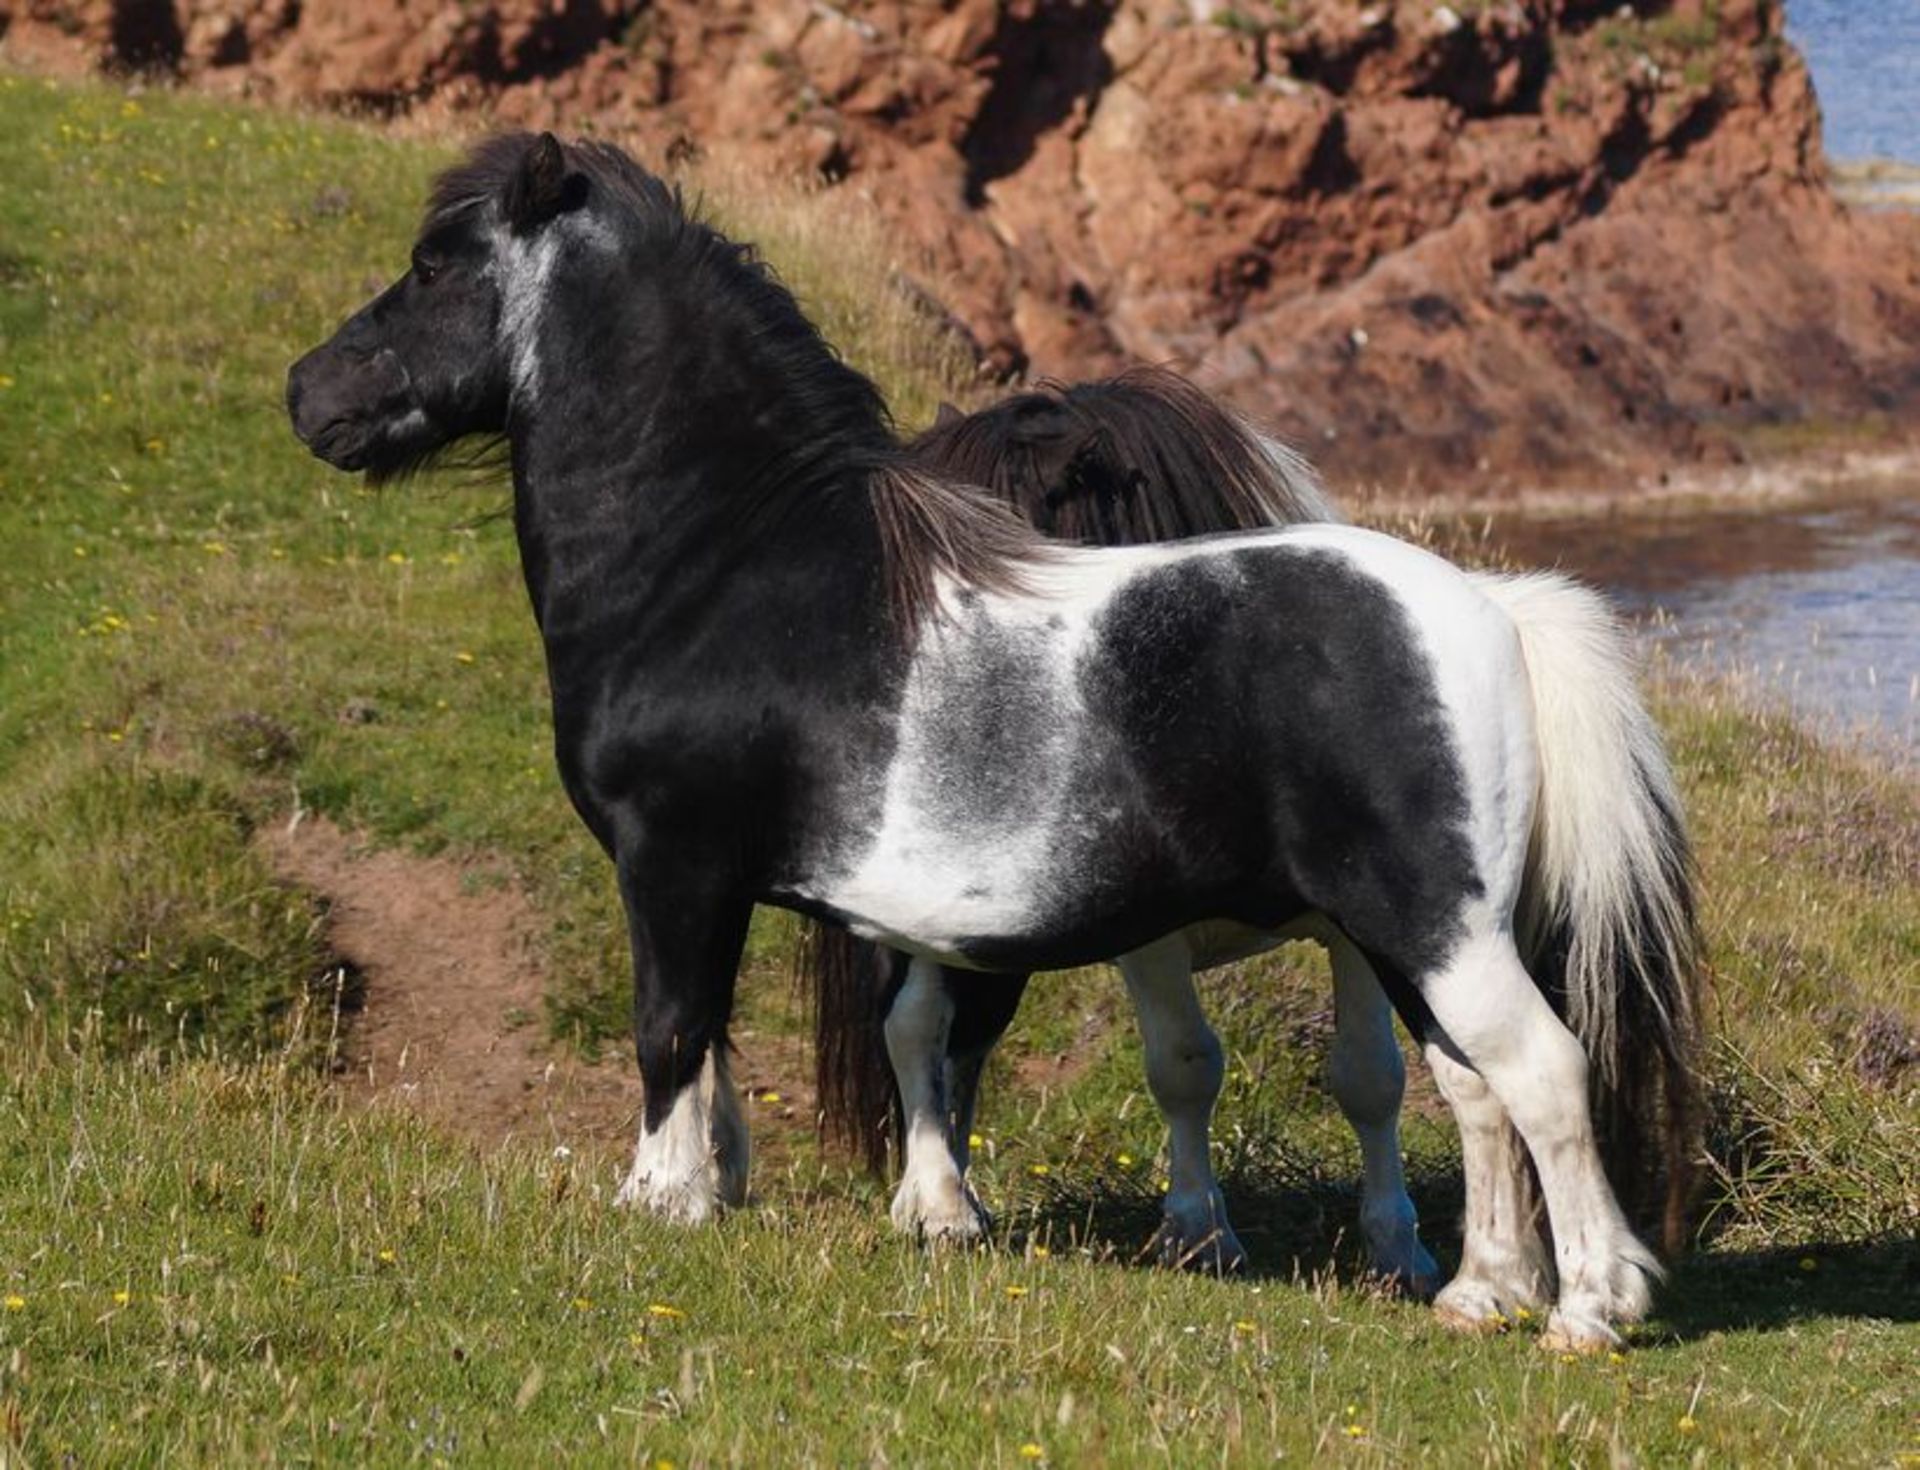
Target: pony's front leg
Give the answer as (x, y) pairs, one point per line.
(686, 931)
(1368, 1079)
(1185, 1067)
(933, 1200)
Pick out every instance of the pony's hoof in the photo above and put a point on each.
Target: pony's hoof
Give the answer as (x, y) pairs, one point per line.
(1578, 1332)
(1411, 1286)
(1470, 1305)
(943, 1216)
(684, 1204)
(1218, 1252)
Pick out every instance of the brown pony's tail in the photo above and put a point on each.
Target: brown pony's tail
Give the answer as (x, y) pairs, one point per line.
(1608, 922)
(852, 982)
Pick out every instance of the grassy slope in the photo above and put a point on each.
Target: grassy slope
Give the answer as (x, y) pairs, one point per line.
(188, 607)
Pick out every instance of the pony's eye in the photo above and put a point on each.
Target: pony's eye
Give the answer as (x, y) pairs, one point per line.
(424, 271)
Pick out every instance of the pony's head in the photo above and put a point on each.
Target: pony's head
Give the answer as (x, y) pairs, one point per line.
(438, 355)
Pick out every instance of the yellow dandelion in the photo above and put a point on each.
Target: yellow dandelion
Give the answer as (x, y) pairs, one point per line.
(769, 1096)
(1040, 1253)
(398, 558)
(1016, 1292)
(278, 553)
(1244, 1326)
(1032, 1451)
(1039, 1171)
(6, 380)
(1523, 1314)
(583, 1304)
(1125, 1161)
(106, 398)
(387, 1257)
(974, 1140)
(661, 1309)
(463, 657)
(214, 548)
(16, 1303)
(156, 445)
(121, 1298)
(1356, 1431)
(1687, 1424)
(81, 552)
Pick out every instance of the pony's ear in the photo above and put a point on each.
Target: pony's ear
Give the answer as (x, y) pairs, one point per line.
(542, 187)
(946, 414)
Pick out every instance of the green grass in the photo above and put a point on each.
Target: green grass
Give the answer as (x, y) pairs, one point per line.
(200, 629)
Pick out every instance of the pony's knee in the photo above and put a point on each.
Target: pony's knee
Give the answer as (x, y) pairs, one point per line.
(1367, 1079)
(1187, 1070)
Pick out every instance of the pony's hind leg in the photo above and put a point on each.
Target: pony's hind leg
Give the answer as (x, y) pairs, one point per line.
(1503, 1261)
(1493, 1019)
(933, 1200)
(1185, 1067)
(1368, 1079)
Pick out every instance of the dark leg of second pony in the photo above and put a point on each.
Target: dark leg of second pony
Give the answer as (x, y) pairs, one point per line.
(1142, 457)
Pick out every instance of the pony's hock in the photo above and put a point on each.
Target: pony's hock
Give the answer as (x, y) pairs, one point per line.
(795, 662)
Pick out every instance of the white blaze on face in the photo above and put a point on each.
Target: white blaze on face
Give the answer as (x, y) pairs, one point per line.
(523, 265)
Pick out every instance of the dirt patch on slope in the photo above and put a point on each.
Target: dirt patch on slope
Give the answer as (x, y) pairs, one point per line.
(451, 1019)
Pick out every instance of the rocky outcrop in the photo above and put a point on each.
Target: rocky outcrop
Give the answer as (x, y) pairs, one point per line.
(1444, 245)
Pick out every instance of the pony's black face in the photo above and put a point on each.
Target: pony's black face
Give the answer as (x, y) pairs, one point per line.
(424, 363)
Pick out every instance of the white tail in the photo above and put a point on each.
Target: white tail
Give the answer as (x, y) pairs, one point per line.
(1606, 921)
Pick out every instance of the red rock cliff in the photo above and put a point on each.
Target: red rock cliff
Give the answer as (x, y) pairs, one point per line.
(1438, 244)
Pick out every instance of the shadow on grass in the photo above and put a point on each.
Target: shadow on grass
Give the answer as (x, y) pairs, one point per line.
(1296, 1220)
(1298, 1224)
(1762, 1290)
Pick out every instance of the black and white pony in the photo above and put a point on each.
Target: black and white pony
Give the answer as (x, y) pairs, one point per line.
(790, 665)
(1139, 458)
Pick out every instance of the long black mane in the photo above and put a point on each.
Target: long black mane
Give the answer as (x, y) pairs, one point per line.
(844, 442)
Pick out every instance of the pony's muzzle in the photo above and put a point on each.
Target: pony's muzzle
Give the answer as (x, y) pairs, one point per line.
(339, 402)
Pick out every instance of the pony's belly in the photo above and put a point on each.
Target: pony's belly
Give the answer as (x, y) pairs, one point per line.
(933, 910)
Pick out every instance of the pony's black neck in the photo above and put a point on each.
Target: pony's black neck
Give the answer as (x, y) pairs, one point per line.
(678, 398)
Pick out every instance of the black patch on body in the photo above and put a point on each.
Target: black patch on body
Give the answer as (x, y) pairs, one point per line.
(1265, 739)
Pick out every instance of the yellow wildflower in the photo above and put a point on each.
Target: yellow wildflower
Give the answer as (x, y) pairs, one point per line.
(387, 1257)
(1687, 1424)
(1032, 1451)
(583, 1304)
(1016, 1292)
(661, 1309)
(121, 1298)
(16, 1303)
(1039, 1171)
(463, 657)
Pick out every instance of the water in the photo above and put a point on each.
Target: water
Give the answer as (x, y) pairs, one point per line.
(1818, 607)
(1865, 60)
